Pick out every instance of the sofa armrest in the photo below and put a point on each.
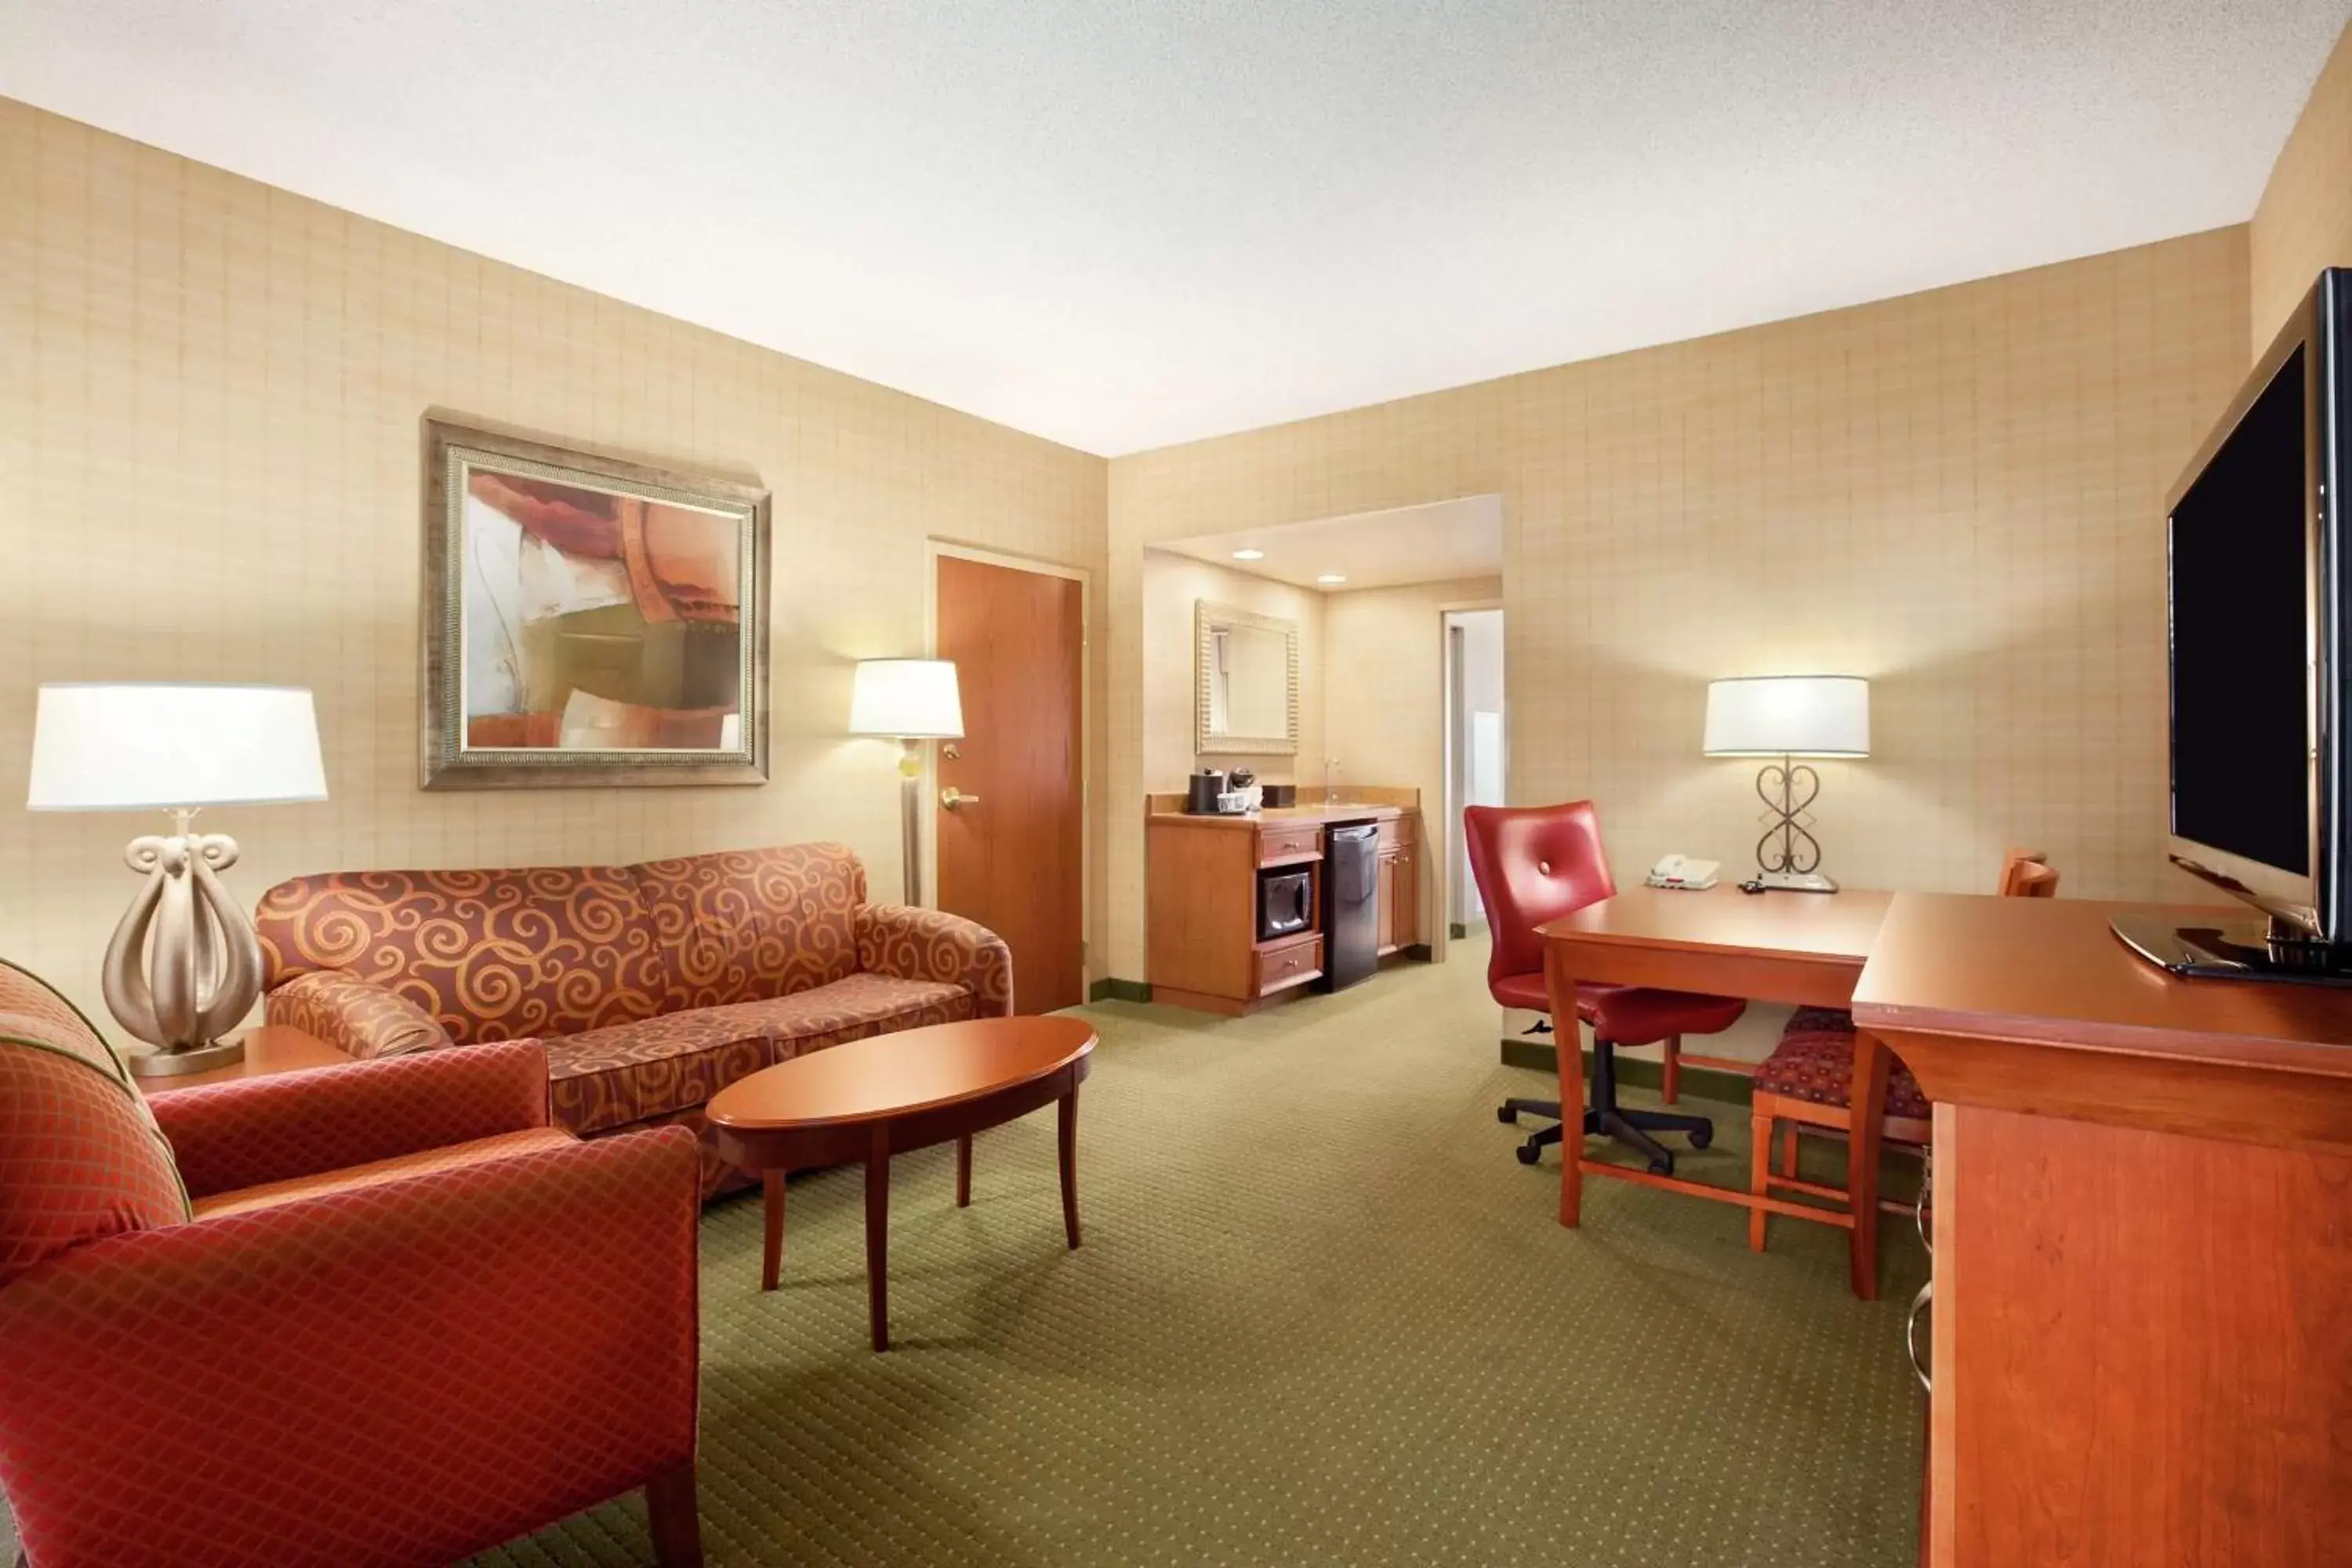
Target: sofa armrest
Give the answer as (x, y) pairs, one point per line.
(404, 1374)
(245, 1132)
(356, 1017)
(908, 943)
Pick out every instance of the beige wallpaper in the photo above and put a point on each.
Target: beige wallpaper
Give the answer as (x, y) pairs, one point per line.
(2304, 219)
(1956, 494)
(1172, 584)
(1384, 705)
(209, 470)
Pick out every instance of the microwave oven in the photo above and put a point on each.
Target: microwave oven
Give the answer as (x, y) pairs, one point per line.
(1285, 902)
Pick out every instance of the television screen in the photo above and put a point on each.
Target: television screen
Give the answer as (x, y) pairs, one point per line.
(2242, 641)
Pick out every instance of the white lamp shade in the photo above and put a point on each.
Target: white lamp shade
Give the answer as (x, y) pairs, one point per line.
(911, 698)
(119, 748)
(1789, 715)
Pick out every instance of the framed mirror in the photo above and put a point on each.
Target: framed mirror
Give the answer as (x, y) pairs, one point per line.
(1245, 682)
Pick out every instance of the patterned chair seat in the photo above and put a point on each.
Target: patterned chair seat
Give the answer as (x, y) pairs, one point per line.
(1814, 1061)
(635, 1072)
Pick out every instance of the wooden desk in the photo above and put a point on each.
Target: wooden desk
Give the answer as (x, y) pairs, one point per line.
(1802, 948)
(2143, 1243)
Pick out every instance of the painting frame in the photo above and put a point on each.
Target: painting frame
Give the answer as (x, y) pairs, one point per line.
(452, 451)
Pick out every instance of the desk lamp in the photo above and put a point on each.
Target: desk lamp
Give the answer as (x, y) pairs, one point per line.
(1788, 717)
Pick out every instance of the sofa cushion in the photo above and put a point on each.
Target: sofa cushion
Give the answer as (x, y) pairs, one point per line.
(488, 955)
(481, 1150)
(747, 925)
(80, 1157)
(607, 1077)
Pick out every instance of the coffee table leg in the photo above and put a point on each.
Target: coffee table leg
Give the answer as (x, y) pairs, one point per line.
(963, 1172)
(878, 1235)
(772, 1253)
(1069, 1127)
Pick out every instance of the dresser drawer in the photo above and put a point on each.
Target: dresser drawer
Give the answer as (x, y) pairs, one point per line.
(1398, 833)
(1281, 965)
(1290, 841)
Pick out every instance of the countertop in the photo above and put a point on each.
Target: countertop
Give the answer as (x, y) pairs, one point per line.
(1279, 815)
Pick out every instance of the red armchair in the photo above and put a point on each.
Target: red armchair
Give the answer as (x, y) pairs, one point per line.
(1535, 863)
(376, 1314)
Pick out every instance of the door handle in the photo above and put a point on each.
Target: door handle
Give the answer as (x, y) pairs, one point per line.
(952, 798)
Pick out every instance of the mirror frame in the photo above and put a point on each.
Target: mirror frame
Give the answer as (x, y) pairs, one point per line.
(1206, 617)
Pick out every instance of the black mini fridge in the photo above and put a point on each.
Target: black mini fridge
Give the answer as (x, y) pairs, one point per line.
(1351, 899)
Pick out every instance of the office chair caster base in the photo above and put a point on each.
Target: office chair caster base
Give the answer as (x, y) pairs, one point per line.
(1507, 1116)
(1528, 1153)
(1701, 1137)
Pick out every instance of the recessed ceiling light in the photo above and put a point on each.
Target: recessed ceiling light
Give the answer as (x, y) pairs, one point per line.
(1332, 577)
(1249, 555)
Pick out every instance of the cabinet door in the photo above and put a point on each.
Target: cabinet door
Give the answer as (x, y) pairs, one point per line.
(1391, 871)
(1407, 884)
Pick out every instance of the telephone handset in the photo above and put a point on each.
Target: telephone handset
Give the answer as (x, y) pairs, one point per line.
(1682, 871)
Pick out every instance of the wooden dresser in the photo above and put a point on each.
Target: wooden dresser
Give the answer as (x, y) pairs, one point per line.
(2142, 1320)
(1202, 875)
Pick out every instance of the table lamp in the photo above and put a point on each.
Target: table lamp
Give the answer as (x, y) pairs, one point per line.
(1788, 717)
(185, 966)
(909, 701)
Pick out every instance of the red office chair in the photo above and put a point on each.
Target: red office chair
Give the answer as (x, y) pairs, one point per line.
(1535, 863)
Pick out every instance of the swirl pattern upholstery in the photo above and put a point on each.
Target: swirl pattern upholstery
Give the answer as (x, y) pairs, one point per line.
(356, 1017)
(392, 1350)
(930, 944)
(652, 986)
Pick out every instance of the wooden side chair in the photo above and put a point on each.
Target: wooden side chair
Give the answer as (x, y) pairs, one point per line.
(1806, 1085)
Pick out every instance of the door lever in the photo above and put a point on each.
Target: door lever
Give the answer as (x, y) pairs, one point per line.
(952, 798)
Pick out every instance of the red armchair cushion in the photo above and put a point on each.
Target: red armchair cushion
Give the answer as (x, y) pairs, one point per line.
(750, 924)
(80, 1157)
(637, 1072)
(488, 955)
(247, 1131)
(502, 1146)
(400, 1374)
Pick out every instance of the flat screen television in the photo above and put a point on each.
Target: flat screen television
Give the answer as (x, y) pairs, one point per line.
(2257, 530)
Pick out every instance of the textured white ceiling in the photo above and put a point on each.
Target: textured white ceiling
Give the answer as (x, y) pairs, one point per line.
(1440, 542)
(1126, 225)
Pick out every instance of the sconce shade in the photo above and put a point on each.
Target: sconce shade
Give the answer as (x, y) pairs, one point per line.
(1789, 715)
(907, 699)
(102, 747)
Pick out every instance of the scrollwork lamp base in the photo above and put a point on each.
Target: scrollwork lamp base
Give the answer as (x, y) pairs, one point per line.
(185, 966)
(1792, 864)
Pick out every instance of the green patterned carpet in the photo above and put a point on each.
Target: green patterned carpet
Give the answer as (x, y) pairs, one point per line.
(1322, 1316)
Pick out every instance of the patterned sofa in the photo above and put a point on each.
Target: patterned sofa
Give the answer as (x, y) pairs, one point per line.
(652, 986)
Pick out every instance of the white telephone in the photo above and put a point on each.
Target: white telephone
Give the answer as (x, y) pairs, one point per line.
(1682, 871)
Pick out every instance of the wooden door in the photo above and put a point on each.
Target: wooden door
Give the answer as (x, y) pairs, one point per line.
(1013, 859)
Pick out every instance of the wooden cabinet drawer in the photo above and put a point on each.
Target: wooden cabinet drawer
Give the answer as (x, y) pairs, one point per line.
(1281, 965)
(1280, 842)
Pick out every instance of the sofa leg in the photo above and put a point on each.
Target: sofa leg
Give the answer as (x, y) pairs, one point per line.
(677, 1527)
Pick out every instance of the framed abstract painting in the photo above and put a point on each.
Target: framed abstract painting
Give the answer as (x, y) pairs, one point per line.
(588, 621)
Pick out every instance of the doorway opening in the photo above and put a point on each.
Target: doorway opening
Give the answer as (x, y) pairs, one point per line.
(1476, 748)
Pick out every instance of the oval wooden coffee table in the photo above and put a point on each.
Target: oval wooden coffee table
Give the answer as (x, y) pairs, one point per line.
(874, 1097)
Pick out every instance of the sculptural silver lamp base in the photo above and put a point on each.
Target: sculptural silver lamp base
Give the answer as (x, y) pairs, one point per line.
(185, 966)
